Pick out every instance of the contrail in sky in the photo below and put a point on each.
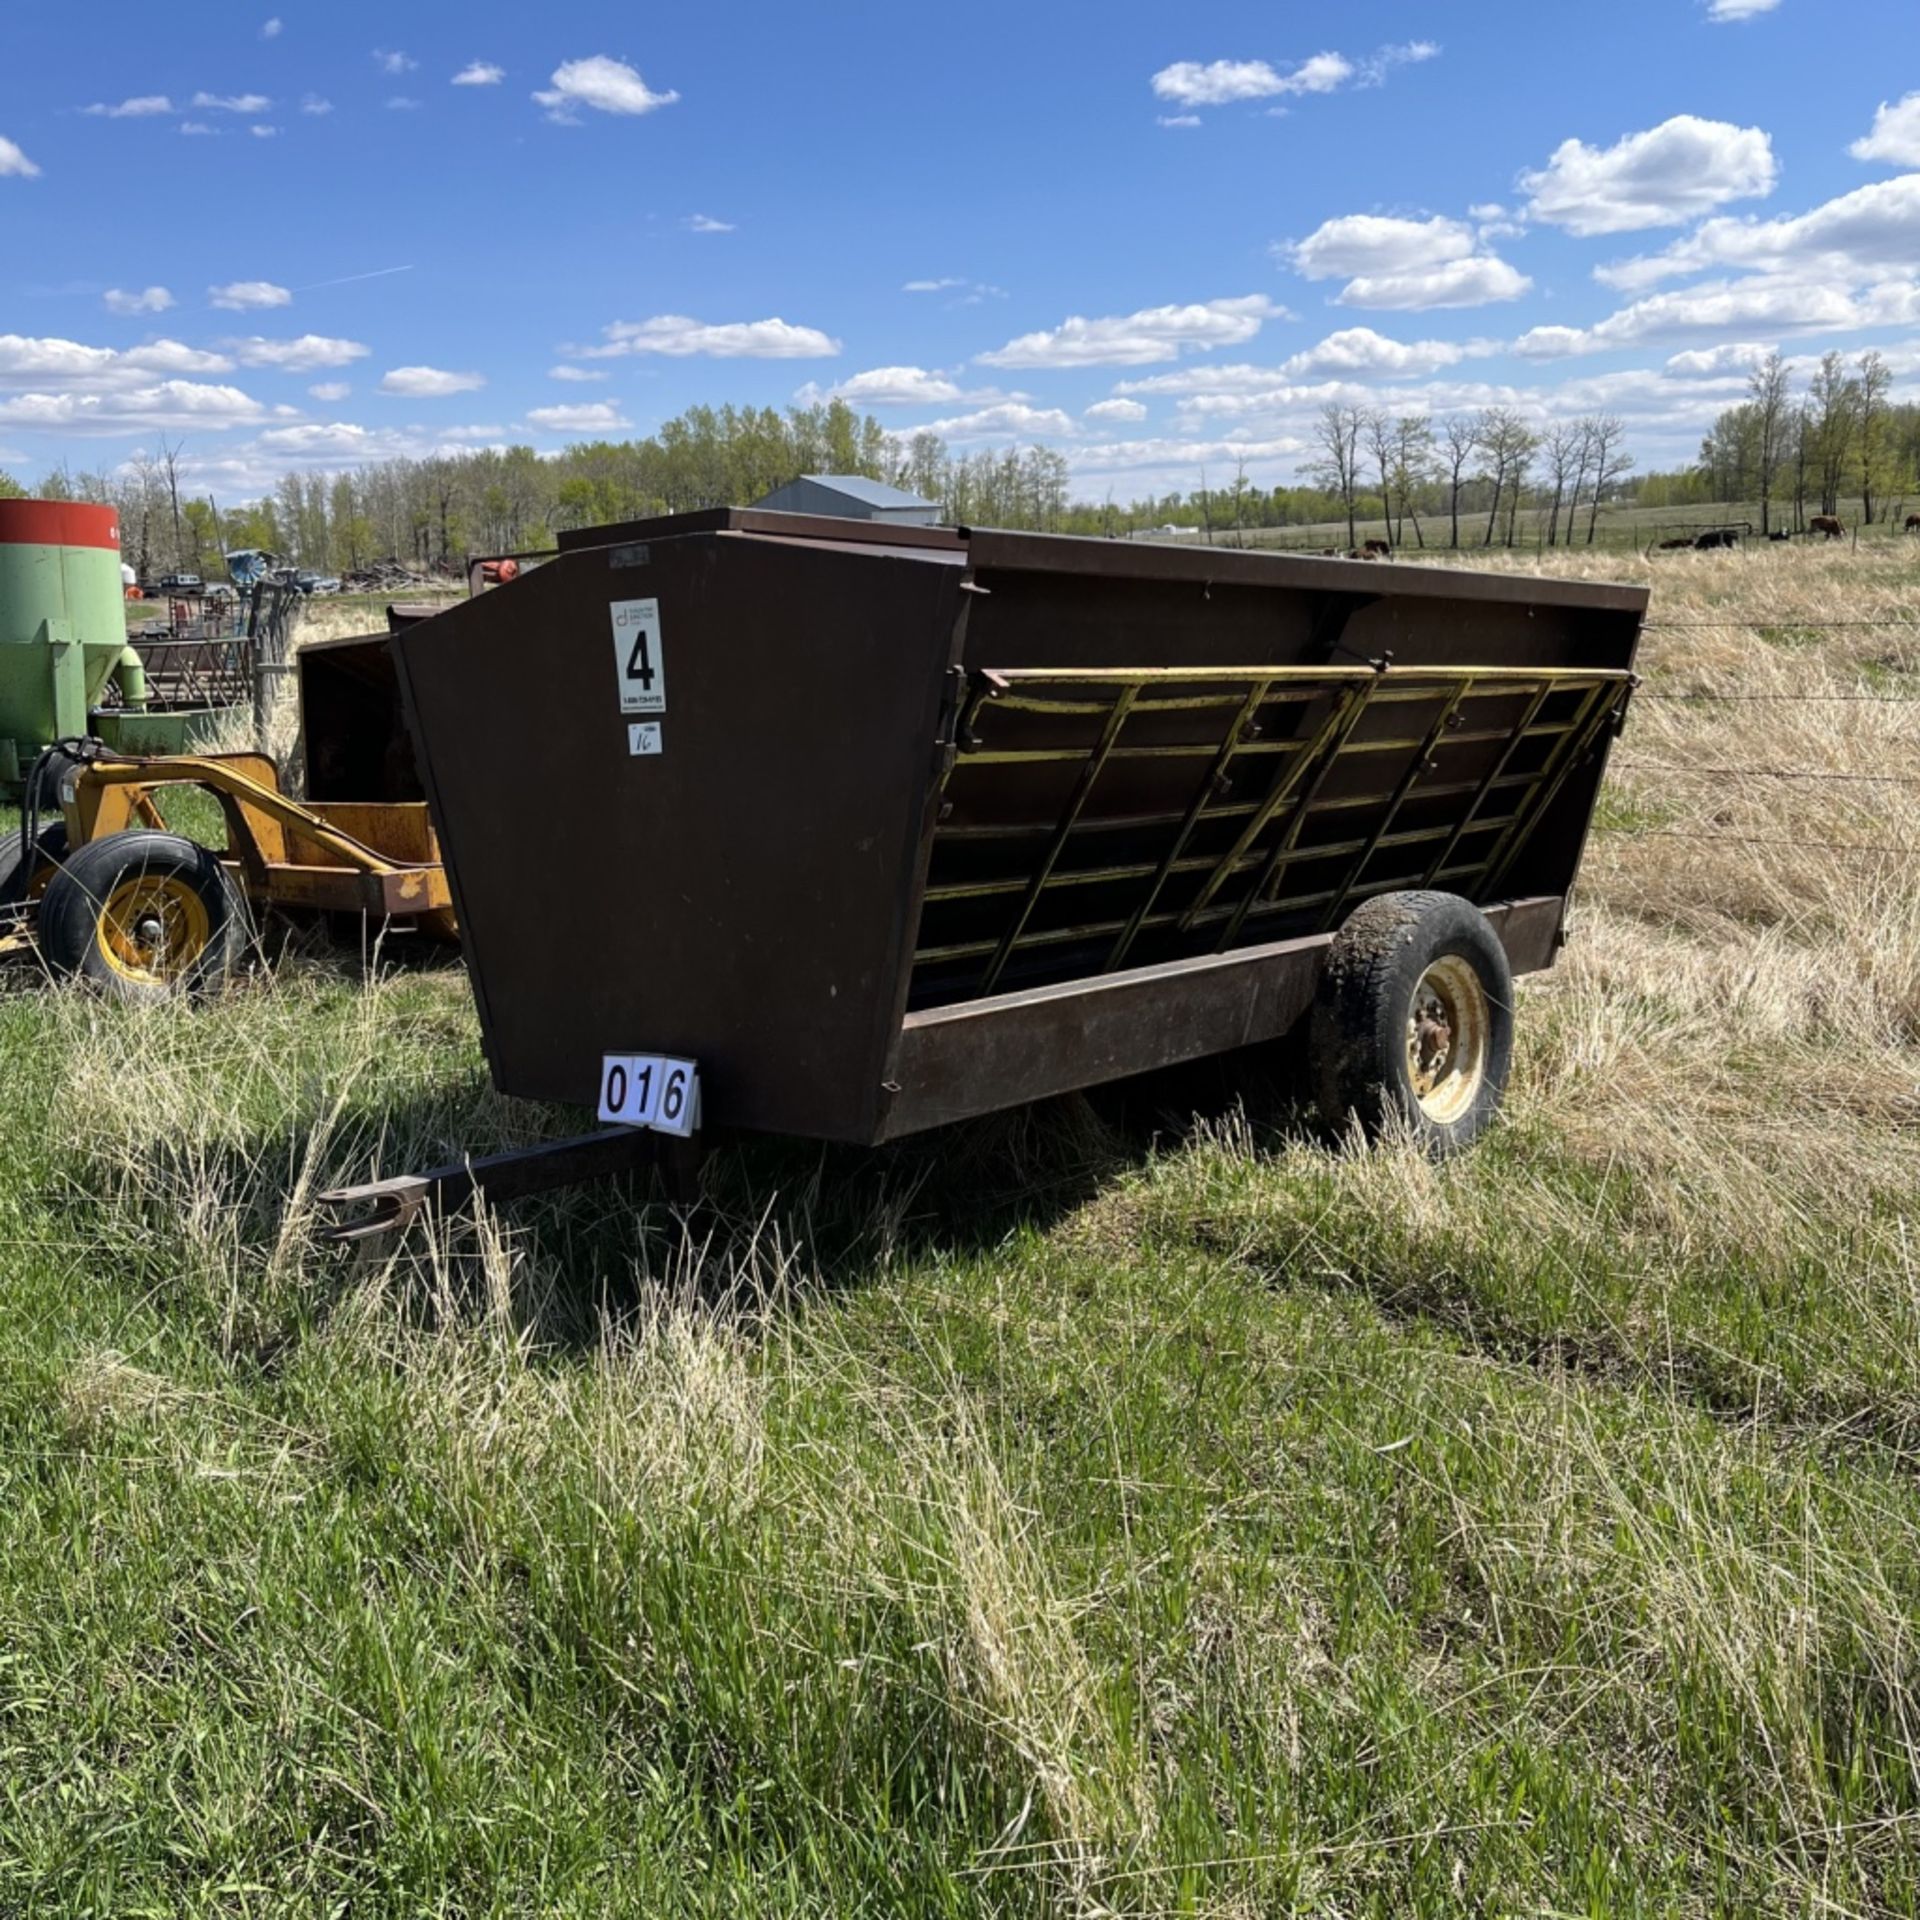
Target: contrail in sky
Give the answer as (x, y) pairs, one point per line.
(347, 279)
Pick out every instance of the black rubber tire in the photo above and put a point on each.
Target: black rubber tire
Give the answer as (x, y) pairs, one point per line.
(70, 913)
(17, 872)
(1358, 1031)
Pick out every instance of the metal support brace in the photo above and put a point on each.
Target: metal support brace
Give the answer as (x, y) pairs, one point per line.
(1109, 734)
(395, 1201)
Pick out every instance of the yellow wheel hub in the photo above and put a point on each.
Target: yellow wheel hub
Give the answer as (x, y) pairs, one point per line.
(1448, 1028)
(153, 928)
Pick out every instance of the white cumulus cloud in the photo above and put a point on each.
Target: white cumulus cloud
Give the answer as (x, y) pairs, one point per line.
(898, 387)
(680, 338)
(304, 355)
(169, 404)
(599, 416)
(150, 300)
(1716, 363)
(1139, 339)
(1476, 282)
(1121, 412)
(1371, 243)
(1664, 177)
(1393, 263)
(28, 361)
(1360, 350)
(479, 73)
(244, 103)
(706, 223)
(244, 295)
(1010, 418)
(429, 383)
(14, 163)
(1734, 310)
(142, 106)
(271, 29)
(577, 375)
(1723, 11)
(1218, 83)
(393, 61)
(1895, 137)
(605, 84)
(330, 390)
(1860, 236)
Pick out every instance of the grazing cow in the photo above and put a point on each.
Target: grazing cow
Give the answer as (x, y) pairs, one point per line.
(1827, 527)
(1378, 549)
(1677, 546)
(1780, 533)
(1913, 523)
(1716, 537)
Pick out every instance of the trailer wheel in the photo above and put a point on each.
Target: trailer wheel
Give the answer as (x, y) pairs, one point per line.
(23, 880)
(143, 915)
(1413, 1020)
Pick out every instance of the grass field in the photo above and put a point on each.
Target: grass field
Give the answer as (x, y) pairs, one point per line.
(1123, 1507)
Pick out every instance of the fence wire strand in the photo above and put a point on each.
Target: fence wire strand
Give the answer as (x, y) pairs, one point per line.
(1772, 773)
(1755, 840)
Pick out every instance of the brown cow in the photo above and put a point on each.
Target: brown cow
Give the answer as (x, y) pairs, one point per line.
(1913, 523)
(1827, 527)
(1378, 549)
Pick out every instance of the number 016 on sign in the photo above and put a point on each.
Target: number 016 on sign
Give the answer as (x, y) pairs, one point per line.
(650, 1090)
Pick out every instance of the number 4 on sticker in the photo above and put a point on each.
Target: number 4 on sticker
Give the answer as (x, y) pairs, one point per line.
(639, 660)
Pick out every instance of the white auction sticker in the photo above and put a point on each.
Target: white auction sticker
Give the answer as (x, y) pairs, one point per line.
(643, 736)
(650, 1090)
(638, 660)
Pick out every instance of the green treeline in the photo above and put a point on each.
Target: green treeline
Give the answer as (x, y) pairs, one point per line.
(1491, 477)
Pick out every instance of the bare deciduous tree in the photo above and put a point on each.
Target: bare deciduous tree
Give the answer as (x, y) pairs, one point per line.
(1338, 468)
(1769, 391)
(1876, 381)
(1609, 462)
(1413, 465)
(1460, 441)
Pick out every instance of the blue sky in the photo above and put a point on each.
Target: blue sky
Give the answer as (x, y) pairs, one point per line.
(295, 236)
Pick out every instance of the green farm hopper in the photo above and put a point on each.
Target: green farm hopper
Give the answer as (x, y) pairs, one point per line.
(63, 626)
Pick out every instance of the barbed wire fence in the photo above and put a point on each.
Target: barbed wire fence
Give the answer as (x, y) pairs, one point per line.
(1814, 776)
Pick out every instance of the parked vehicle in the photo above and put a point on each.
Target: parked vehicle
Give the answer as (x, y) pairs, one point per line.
(925, 823)
(104, 890)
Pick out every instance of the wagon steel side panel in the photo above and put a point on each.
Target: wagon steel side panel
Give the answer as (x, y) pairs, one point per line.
(741, 897)
(960, 1061)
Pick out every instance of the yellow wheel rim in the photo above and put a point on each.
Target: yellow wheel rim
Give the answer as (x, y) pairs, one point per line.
(153, 928)
(1448, 1028)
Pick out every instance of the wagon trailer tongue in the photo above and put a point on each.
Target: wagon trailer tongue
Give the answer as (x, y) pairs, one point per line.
(894, 826)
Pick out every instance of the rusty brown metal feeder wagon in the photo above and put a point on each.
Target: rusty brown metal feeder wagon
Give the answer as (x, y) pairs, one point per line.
(882, 828)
